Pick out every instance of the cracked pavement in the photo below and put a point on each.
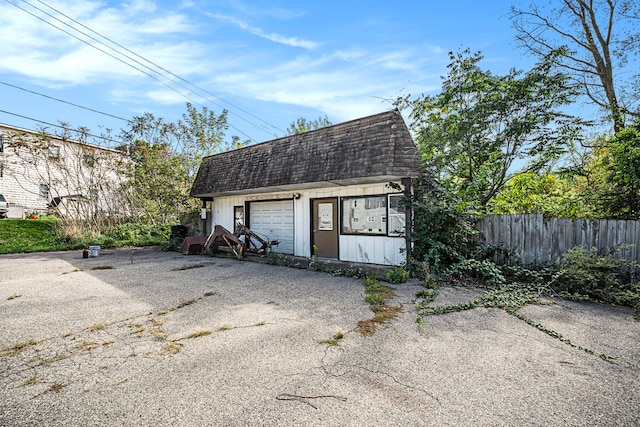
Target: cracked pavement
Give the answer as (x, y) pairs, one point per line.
(139, 337)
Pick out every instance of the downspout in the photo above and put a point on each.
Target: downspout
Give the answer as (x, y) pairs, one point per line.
(406, 182)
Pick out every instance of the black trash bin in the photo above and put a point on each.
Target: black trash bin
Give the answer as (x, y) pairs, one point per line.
(179, 231)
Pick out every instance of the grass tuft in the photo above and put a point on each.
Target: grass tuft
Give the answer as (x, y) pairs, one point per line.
(159, 334)
(172, 347)
(32, 381)
(86, 345)
(199, 333)
(97, 327)
(335, 340)
(18, 348)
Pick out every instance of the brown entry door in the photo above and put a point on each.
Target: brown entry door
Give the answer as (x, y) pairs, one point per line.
(325, 227)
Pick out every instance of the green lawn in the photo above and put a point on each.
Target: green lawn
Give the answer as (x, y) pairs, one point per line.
(26, 235)
(43, 235)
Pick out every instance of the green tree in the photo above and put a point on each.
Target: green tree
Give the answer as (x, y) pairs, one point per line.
(159, 184)
(597, 39)
(622, 198)
(471, 133)
(166, 157)
(203, 135)
(548, 194)
(302, 125)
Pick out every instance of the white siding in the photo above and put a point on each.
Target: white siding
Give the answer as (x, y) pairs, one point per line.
(358, 249)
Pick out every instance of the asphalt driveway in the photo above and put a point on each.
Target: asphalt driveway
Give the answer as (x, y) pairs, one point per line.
(138, 337)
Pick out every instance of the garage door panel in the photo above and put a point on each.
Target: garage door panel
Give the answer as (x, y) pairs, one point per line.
(273, 220)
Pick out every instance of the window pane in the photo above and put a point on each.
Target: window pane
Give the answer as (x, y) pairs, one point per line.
(238, 212)
(54, 151)
(364, 215)
(44, 191)
(397, 219)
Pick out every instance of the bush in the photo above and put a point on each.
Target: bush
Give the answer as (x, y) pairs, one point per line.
(605, 278)
(397, 275)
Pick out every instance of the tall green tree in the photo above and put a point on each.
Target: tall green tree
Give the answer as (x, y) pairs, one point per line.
(471, 134)
(302, 125)
(203, 134)
(598, 41)
(622, 198)
(166, 157)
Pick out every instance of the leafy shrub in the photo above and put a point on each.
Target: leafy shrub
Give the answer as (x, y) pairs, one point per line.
(605, 278)
(397, 275)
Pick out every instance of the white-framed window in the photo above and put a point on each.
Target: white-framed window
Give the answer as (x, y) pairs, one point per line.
(379, 215)
(54, 151)
(43, 191)
(364, 215)
(88, 160)
(397, 217)
(1, 143)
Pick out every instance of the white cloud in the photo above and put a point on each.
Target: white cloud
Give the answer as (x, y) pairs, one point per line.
(342, 89)
(345, 82)
(274, 37)
(40, 51)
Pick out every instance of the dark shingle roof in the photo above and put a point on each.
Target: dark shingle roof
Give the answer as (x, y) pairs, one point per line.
(372, 149)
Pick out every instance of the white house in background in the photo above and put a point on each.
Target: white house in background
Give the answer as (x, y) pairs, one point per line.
(41, 172)
(325, 191)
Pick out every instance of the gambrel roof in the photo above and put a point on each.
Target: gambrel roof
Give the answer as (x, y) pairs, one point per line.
(371, 149)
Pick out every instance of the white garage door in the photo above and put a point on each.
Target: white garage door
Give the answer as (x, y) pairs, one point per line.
(273, 221)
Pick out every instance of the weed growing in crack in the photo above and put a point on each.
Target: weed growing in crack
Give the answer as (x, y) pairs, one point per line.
(56, 387)
(199, 333)
(138, 329)
(14, 296)
(102, 267)
(397, 275)
(225, 327)
(18, 348)
(159, 334)
(97, 327)
(186, 303)
(32, 381)
(509, 297)
(172, 347)
(335, 340)
(187, 267)
(155, 321)
(377, 295)
(86, 345)
(59, 358)
(261, 323)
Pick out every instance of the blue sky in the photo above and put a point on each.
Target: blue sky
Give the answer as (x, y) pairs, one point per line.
(268, 63)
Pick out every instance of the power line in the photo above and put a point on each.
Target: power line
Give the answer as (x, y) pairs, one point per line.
(160, 67)
(63, 101)
(134, 60)
(106, 53)
(61, 127)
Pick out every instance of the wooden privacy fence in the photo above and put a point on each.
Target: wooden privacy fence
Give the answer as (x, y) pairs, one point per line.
(537, 241)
